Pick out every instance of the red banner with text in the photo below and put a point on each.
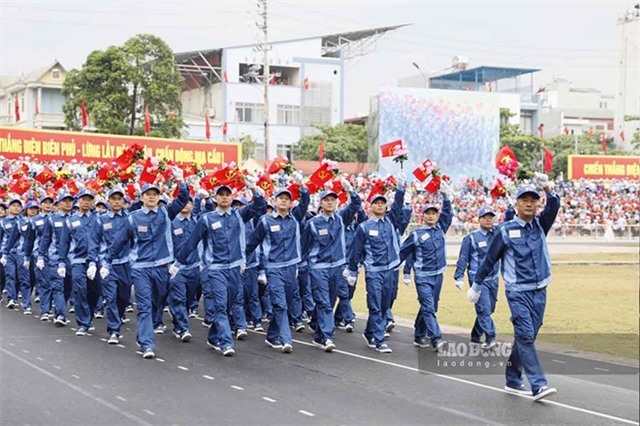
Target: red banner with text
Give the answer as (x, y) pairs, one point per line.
(603, 167)
(94, 147)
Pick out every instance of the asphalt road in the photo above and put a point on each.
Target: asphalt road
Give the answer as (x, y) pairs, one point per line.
(50, 376)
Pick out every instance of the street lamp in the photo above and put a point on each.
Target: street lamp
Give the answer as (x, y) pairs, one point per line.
(424, 77)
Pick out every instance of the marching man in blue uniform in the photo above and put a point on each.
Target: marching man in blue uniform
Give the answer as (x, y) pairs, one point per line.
(521, 246)
(427, 249)
(148, 231)
(13, 230)
(472, 254)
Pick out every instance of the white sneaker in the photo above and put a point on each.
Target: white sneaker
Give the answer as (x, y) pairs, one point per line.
(148, 354)
(521, 390)
(114, 339)
(544, 392)
(287, 348)
(329, 346)
(241, 334)
(229, 352)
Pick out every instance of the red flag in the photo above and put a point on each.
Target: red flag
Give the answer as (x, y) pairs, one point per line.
(107, 173)
(207, 127)
(131, 191)
(420, 173)
(225, 78)
(387, 149)
(541, 130)
(224, 128)
(72, 187)
(505, 155)
(188, 170)
(278, 164)
(321, 151)
(46, 175)
(93, 185)
(85, 114)
(148, 175)
(17, 110)
(548, 161)
(566, 130)
(265, 183)
(622, 135)
(604, 143)
(321, 176)
(23, 170)
(21, 186)
(590, 131)
(306, 83)
(294, 189)
(147, 121)
(37, 109)
(209, 182)
(227, 176)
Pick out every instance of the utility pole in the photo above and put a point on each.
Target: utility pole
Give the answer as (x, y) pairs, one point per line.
(262, 4)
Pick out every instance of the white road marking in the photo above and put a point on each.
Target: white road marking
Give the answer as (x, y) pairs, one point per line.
(151, 413)
(600, 369)
(479, 385)
(558, 361)
(268, 399)
(97, 386)
(236, 387)
(75, 376)
(25, 351)
(121, 398)
(103, 339)
(183, 368)
(306, 413)
(12, 344)
(57, 367)
(207, 377)
(39, 358)
(78, 389)
(159, 359)
(58, 340)
(120, 345)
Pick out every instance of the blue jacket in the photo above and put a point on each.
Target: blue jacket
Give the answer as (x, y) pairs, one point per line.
(279, 236)
(74, 239)
(149, 233)
(34, 234)
(522, 247)
(223, 235)
(49, 243)
(473, 251)
(14, 232)
(426, 246)
(181, 229)
(323, 238)
(104, 234)
(377, 241)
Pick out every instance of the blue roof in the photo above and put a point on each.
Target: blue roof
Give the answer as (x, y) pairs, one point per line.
(484, 74)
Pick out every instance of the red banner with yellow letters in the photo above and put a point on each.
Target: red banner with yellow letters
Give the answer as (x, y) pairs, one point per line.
(603, 167)
(94, 147)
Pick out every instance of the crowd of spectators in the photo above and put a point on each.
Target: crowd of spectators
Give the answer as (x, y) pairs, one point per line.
(588, 207)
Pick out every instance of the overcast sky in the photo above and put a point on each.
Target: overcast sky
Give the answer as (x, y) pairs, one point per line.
(577, 40)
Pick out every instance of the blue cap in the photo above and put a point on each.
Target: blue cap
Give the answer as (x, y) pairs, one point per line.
(485, 211)
(270, 206)
(85, 192)
(242, 200)
(63, 195)
(32, 203)
(378, 197)
(430, 207)
(46, 197)
(164, 199)
(103, 202)
(15, 200)
(327, 193)
(283, 191)
(527, 189)
(115, 191)
(127, 199)
(148, 187)
(221, 187)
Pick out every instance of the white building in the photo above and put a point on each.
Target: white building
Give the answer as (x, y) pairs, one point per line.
(306, 88)
(39, 99)
(628, 102)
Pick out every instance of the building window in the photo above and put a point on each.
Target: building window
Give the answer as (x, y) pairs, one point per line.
(258, 152)
(55, 74)
(249, 113)
(284, 151)
(289, 114)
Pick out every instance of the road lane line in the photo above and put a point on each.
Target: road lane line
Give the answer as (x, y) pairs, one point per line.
(78, 389)
(183, 368)
(121, 398)
(306, 413)
(237, 387)
(151, 413)
(268, 399)
(207, 377)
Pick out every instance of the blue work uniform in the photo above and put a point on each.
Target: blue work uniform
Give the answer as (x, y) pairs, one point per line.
(32, 243)
(14, 230)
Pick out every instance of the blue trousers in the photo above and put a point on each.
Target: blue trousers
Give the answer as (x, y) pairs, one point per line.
(380, 288)
(151, 291)
(54, 286)
(265, 300)
(306, 295)
(17, 278)
(44, 290)
(252, 308)
(294, 301)
(116, 290)
(87, 293)
(194, 291)
(325, 285)
(485, 306)
(394, 296)
(178, 297)
(207, 298)
(428, 288)
(282, 289)
(527, 313)
(220, 286)
(344, 311)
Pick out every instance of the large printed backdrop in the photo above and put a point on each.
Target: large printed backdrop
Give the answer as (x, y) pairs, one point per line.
(458, 130)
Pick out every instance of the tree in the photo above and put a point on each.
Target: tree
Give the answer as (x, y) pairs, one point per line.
(344, 143)
(248, 146)
(118, 83)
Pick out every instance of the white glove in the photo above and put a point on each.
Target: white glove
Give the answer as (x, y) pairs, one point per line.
(407, 197)
(62, 272)
(459, 284)
(298, 178)
(250, 181)
(406, 279)
(258, 191)
(445, 188)
(243, 267)
(104, 272)
(351, 280)
(178, 173)
(26, 264)
(402, 178)
(262, 277)
(346, 185)
(540, 180)
(473, 296)
(3, 261)
(91, 271)
(173, 271)
(40, 263)
(203, 193)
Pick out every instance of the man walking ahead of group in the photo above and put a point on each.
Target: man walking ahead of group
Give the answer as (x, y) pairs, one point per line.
(526, 269)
